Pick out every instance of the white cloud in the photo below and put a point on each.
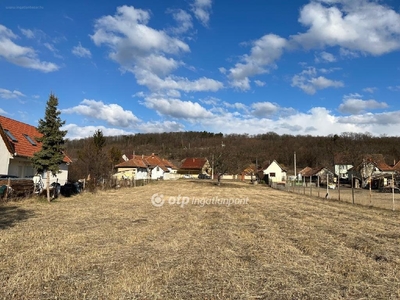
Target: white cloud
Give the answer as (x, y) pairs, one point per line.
(263, 54)
(146, 52)
(259, 82)
(176, 108)
(325, 57)
(370, 90)
(7, 94)
(154, 82)
(22, 56)
(356, 26)
(27, 33)
(81, 51)
(113, 114)
(166, 126)
(183, 19)
(264, 109)
(202, 10)
(309, 82)
(352, 104)
(79, 132)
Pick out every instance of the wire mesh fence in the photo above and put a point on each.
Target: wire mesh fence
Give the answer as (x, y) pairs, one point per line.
(387, 198)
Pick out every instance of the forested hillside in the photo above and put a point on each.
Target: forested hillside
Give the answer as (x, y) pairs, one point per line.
(234, 152)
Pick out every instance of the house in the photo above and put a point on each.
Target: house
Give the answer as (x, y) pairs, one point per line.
(132, 168)
(195, 166)
(372, 169)
(158, 167)
(17, 146)
(146, 167)
(316, 176)
(273, 172)
(342, 164)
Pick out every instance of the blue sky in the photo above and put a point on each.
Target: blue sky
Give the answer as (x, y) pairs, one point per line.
(315, 67)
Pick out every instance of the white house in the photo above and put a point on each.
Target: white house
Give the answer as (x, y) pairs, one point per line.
(17, 146)
(275, 172)
(134, 168)
(147, 167)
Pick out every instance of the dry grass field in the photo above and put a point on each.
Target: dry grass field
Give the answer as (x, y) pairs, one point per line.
(117, 245)
(361, 196)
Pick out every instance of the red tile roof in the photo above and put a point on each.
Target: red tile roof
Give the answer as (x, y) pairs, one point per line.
(22, 147)
(146, 161)
(193, 163)
(136, 162)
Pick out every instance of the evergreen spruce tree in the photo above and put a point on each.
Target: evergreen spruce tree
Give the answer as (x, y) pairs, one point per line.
(49, 158)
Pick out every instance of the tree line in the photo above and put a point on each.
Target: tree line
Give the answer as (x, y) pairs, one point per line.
(230, 153)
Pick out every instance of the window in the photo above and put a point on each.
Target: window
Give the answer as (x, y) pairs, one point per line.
(272, 175)
(29, 139)
(10, 135)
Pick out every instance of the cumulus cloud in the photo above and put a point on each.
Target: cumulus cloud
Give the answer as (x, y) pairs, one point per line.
(176, 108)
(146, 52)
(356, 26)
(113, 114)
(264, 109)
(75, 131)
(7, 94)
(325, 57)
(81, 51)
(22, 56)
(353, 104)
(259, 82)
(183, 19)
(202, 10)
(310, 82)
(166, 126)
(359, 27)
(262, 57)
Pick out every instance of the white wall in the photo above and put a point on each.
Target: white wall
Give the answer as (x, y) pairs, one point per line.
(280, 175)
(156, 173)
(4, 158)
(61, 177)
(21, 167)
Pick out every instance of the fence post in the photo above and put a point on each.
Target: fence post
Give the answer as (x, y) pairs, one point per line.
(7, 187)
(393, 191)
(352, 188)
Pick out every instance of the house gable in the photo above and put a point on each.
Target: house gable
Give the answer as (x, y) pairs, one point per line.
(275, 172)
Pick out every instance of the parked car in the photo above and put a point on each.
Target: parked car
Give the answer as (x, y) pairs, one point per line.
(187, 176)
(204, 176)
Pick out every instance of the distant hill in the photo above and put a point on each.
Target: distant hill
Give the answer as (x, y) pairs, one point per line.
(234, 152)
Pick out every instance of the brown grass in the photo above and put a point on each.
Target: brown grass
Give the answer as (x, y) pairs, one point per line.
(117, 245)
